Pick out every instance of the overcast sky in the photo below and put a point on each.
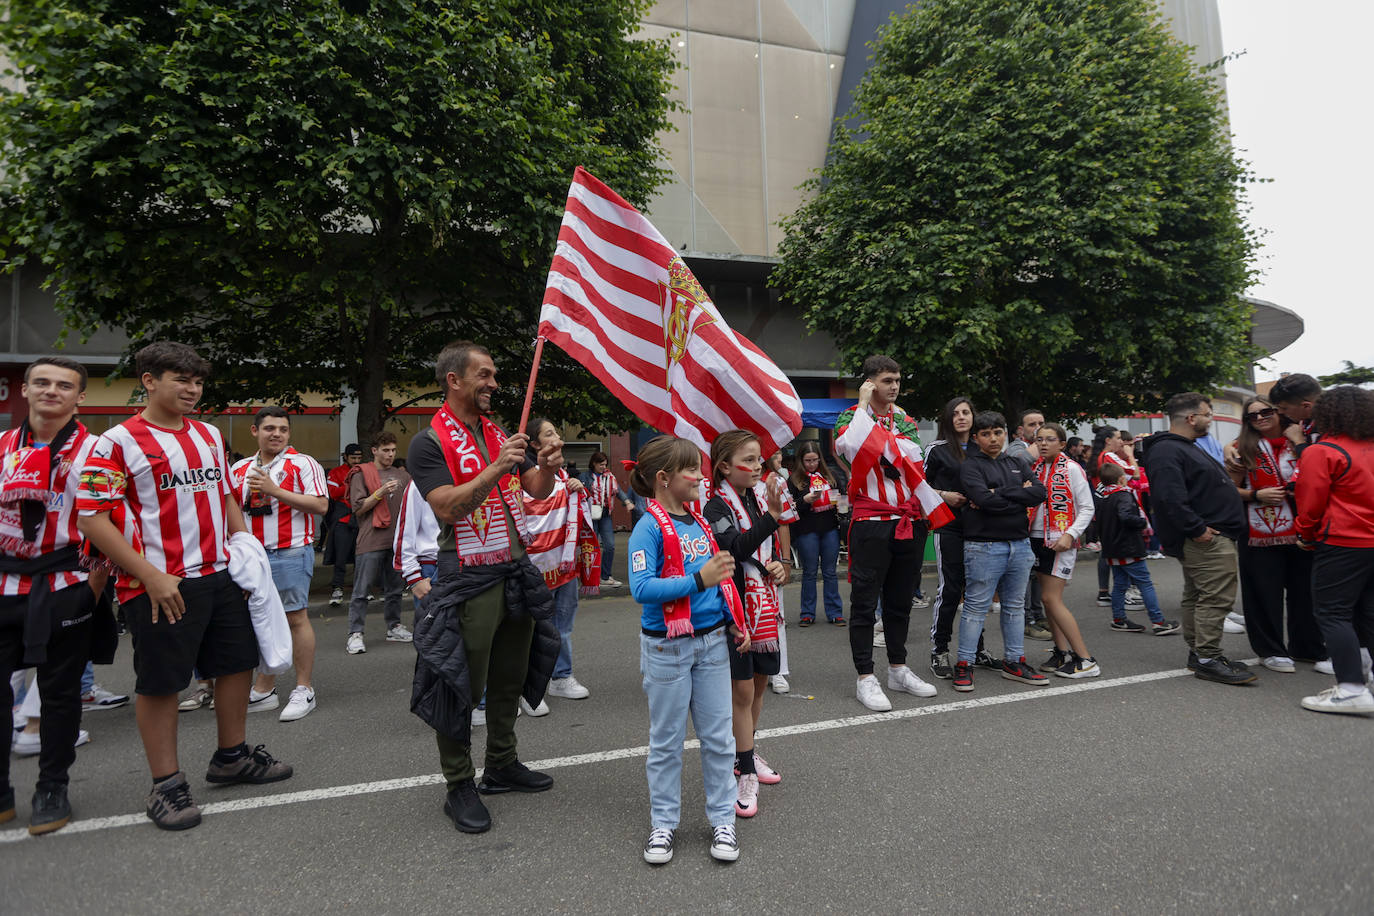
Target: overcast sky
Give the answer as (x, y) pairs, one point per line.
(1301, 114)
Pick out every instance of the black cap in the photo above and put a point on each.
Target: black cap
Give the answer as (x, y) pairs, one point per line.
(353, 448)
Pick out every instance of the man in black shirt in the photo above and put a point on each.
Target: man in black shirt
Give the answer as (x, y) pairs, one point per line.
(487, 621)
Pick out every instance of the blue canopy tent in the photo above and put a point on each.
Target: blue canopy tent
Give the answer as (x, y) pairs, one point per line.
(822, 413)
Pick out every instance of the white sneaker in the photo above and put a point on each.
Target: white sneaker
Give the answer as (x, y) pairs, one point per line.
(541, 710)
(568, 688)
(1279, 663)
(479, 718)
(608, 582)
(399, 633)
(871, 695)
(1324, 667)
(263, 703)
(300, 705)
(878, 627)
(1330, 700)
(779, 684)
(100, 698)
(1154, 555)
(997, 607)
(336, 597)
(355, 644)
(29, 745)
(1133, 598)
(724, 843)
(1233, 624)
(879, 639)
(747, 798)
(901, 677)
(919, 602)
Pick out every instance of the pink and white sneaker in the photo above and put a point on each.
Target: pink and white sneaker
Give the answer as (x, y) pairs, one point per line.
(747, 803)
(767, 775)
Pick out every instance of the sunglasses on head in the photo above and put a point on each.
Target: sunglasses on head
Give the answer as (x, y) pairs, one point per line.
(1263, 413)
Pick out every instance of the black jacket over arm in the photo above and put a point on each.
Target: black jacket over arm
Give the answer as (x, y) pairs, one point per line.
(998, 497)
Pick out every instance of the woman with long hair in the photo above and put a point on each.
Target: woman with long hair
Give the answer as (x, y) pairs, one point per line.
(1335, 491)
(1272, 564)
(816, 534)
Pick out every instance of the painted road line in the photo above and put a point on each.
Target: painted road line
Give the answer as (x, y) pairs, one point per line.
(624, 753)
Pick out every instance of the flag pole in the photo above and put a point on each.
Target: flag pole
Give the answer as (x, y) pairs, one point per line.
(529, 389)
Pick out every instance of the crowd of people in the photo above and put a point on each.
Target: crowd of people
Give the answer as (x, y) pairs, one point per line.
(497, 543)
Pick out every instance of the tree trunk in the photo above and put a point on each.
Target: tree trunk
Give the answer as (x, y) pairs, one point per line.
(371, 381)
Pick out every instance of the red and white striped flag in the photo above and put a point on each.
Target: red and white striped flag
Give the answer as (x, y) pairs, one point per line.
(623, 304)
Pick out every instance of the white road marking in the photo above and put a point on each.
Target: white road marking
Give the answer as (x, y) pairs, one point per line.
(574, 760)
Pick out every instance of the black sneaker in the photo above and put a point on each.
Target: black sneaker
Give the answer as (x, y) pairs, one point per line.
(51, 811)
(1020, 671)
(659, 849)
(1127, 625)
(465, 807)
(514, 777)
(1223, 672)
(170, 805)
(1192, 660)
(255, 768)
(6, 805)
(1104, 599)
(940, 665)
(1165, 627)
(1056, 660)
(983, 660)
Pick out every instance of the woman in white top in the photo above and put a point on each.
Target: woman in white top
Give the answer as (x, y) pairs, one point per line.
(1056, 526)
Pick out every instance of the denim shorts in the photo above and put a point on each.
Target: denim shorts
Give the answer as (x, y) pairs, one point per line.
(292, 570)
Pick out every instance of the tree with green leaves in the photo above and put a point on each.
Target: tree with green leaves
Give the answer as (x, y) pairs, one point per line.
(1035, 203)
(318, 194)
(1350, 375)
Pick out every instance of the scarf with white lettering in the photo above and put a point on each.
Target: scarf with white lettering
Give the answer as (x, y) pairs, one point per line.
(1059, 507)
(28, 477)
(1271, 526)
(677, 614)
(483, 536)
(760, 594)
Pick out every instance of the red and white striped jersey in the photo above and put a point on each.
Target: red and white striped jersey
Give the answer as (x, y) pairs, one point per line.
(553, 523)
(59, 526)
(166, 490)
(852, 431)
(283, 527)
(601, 488)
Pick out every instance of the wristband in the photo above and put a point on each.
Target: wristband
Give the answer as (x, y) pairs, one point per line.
(701, 586)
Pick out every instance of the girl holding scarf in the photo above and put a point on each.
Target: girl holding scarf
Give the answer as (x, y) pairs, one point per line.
(817, 538)
(1055, 527)
(1272, 565)
(744, 524)
(691, 611)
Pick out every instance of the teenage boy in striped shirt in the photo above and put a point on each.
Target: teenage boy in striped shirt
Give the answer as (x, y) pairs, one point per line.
(281, 491)
(156, 502)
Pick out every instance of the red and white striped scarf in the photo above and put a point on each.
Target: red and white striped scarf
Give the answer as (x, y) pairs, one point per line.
(603, 488)
(553, 524)
(1060, 510)
(760, 594)
(483, 537)
(1271, 526)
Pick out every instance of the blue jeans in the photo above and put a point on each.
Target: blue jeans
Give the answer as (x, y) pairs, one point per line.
(564, 609)
(605, 533)
(992, 567)
(690, 673)
(820, 548)
(1138, 573)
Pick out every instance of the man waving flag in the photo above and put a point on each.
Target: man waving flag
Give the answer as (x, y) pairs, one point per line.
(623, 304)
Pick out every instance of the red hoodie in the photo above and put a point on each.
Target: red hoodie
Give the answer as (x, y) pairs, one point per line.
(1336, 493)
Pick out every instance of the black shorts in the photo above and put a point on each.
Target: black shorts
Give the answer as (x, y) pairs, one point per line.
(1052, 563)
(743, 666)
(215, 637)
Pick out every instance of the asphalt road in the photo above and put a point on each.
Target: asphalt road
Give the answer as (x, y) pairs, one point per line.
(1144, 791)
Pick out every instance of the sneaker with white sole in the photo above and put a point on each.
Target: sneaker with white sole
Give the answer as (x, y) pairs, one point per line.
(747, 799)
(355, 645)
(399, 633)
(28, 744)
(659, 849)
(1233, 624)
(608, 582)
(1076, 667)
(1324, 667)
(534, 711)
(779, 684)
(100, 698)
(879, 639)
(263, 703)
(724, 843)
(202, 695)
(479, 718)
(766, 774)
(871, 694)
(300, 704)
(901, 677)
(1280, 663)
(1330, 700)
(567, 688)
(336, 597)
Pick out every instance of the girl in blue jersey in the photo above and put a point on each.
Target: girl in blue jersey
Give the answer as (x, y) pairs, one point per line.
(690, 608)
